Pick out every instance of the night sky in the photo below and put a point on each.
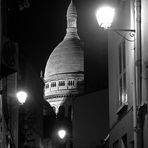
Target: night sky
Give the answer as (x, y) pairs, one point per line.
(41, 27)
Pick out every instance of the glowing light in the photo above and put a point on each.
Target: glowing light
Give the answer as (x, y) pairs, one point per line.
(105, 16)
(21, 96)
(62, 133)
(124, 98)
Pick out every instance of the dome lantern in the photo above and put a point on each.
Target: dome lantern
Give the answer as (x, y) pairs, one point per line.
(71, 21)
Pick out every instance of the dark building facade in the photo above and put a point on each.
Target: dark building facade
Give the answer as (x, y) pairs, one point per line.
(21, 125)
(90, 120)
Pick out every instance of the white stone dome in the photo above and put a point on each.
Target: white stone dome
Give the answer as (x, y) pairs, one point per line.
(67, 57)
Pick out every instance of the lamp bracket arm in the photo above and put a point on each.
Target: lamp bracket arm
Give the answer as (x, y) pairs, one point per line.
(119, 32)
(123, 30)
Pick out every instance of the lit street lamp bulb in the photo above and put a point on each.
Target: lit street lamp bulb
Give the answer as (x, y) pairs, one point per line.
(62, 133)
(21, 96)
(105, 16)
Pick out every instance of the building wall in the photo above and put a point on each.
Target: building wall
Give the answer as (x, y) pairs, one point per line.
(22, 122)
(123, 127)
(144, 48)
(113, 60)
(90, 119)
(144, 24)
(125, 19)
(121, 117)
(31, 113)
(9, 112)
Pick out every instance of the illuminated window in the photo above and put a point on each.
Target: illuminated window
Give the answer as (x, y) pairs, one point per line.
(122, 74)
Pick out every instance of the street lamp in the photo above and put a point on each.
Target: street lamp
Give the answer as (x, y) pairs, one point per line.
(21, 96)
(105, 17)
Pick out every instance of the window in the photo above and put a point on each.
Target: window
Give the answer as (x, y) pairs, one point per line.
(61, 111)
(132, 144)
(122, 74)
(80, 83)
(53, 84)
(47, 85)
(124, 141)
(71, 83)
(54, 108)
(70, 112)
(116, 144)
(72, 23)
(61, 83)
(71, 144)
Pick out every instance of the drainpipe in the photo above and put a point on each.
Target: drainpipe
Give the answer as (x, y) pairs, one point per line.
(138, 72)
(0, 34)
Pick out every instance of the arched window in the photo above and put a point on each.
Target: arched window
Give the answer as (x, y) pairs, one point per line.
(68, 82)
(53, 84)
(61, 83)
(61, 111)
(71, 83)
(54, 108)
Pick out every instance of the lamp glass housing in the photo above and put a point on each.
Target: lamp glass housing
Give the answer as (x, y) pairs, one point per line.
(105, 16)
(62, 133)
(21, 96)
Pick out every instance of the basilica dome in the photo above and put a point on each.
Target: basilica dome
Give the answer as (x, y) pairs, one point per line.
(67, 57)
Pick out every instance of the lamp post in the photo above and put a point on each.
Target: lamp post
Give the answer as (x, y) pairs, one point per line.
(62, 131)
(21, 96)
(105, 16)
(64, 137)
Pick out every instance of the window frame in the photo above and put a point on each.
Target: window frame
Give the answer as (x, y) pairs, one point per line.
(122, 75)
